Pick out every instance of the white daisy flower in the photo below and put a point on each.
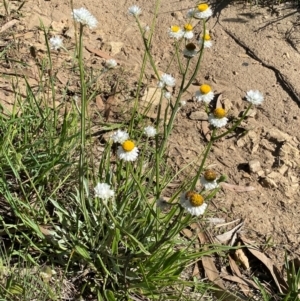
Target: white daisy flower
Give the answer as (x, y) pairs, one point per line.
(83, 16)
(166, 80)
(190, 13)
(209, 180)
(167, 95)
(205, 94)
(218, 119)
(120, 136)
(193, 203)
(134, 10)
(56, 42)
(103, 191)
(150, 131)
(188, 31)
(176, 32)
(202, 11)
(255, 97)
(190, 50)
(128, 151)
(207, 41)
(111, 63)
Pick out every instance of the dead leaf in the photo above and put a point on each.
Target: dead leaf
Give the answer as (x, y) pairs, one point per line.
(234, 268)
(27, 35)
(99, 103)
(230, 235)
(196, 270)
(237, 188)
(205, 130)
(237, 279)
(187, 233)
(108, 105)
(208, 264)
(98, 52)
(242, 258)
(61, 76)
(8, 25)
(213, 275)
(219, 101)
(244, 55)
(229, 223)
(278, 279)
(215, 220)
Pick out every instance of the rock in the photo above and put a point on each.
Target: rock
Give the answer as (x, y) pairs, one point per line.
(242, 141)
(290, 155)
(268, 183)
(227, 104)
(151, 100)
(274, 175)
(70, 33)
(254, 148)
(177, 15)
(277, 135)
(254, 166)
(252, 113)
(59, 27)
(199, 115)
(106, 47)
(261, 173)
(266, 144)
(115, 47)
(283, 169)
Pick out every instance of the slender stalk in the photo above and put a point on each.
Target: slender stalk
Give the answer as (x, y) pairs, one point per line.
(198, 62)
(174, 111)
(203, 159)
(178, 58)
(235, 126)
(147, 54)
(82, 116)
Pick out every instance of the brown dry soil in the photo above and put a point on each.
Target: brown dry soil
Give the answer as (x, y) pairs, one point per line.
(254, 48)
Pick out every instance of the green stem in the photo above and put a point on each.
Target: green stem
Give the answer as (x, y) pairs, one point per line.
(174, 111)
(178, 57)
(147, 48)
(204, 159)
(235, 126)
(199, 60)
(157, 169)
(82, 115)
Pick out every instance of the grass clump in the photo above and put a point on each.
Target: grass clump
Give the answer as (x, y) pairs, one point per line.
(79, 225)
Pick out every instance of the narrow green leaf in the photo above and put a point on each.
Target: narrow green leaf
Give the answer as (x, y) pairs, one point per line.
(110, 295)
(83, 252)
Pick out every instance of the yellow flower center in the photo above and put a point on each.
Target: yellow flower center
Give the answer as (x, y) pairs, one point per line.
(196, 199)
(175, 28)
(204, 89)
(190, 46)
(202, 7)
(207, 37)
(219, 113)
(188, 27)
(128, 146)
(210, 175)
